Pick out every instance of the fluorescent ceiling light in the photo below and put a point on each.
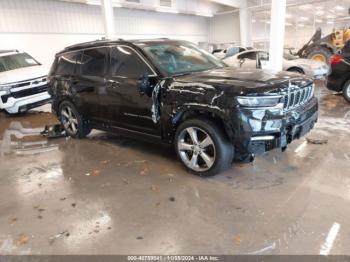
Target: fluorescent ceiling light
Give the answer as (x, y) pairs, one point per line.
(318, 20)
(303, 18)
(330, 22)
(167, 10)
(93, 2)
(253, 20)
(300, 25)
(289, 24)
(268, 22)
(339, 8)
(319, 12)
(330, 16)
(204, 14)
(288, 15)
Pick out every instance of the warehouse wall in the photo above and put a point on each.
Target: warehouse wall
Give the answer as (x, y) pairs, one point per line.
(43, 27)
(225, 28)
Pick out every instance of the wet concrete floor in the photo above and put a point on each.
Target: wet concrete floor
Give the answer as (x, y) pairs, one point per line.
(112, 195)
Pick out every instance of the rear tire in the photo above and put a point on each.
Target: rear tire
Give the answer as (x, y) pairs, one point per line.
(320, 53)
(73, 122)
(346, 91)
(209, 154)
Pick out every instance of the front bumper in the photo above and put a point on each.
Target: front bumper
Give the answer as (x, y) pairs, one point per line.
(17, 105)
(267, 129)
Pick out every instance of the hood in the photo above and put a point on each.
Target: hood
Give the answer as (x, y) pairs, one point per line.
(23, 74)
(246, 80)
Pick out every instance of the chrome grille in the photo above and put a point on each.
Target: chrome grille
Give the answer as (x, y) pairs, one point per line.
(295, 97)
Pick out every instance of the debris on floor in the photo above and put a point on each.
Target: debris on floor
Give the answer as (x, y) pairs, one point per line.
(154, 188)
(12, 220)
(172, 199)
(316, 141)
(96, 173)
(59, 235)
(139, 238)
(22, 239)
(53, 131)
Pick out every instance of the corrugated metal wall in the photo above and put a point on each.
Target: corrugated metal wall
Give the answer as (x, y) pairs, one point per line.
(44, 16)
(55, 17)
(43, 27)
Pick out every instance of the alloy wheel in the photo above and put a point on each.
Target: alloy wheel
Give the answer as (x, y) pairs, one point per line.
(348, 90)
(196, 149)
(69, 120)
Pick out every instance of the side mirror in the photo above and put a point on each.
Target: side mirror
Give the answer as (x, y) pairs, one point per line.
(144, 85)
(241, 62)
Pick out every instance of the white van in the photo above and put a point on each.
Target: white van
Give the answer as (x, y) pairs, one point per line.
(23, 82)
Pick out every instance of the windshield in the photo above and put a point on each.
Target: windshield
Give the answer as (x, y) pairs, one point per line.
(15, 61)
(289, 56)
(181, 58)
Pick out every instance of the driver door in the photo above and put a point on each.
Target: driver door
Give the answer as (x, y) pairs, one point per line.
(128, 108)
(263, 60)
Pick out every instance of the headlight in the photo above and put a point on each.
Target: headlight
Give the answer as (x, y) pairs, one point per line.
(5, 88)
(259, 101)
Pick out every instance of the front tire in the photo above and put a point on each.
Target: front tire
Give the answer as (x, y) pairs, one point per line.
(346, 91)
(320, 53)
(73, 122)
(203, 148)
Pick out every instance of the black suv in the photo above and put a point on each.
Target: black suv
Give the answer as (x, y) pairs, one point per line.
(174, 92)
(339, 75)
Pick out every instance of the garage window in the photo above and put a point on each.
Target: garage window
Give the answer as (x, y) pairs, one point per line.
(93, 62)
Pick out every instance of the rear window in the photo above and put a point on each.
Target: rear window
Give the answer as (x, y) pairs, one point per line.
(16, 61)
(93, 62)
(66, 64)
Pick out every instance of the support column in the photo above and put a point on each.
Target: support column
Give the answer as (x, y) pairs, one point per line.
(245, 21)
(277, 30)
(107, 12)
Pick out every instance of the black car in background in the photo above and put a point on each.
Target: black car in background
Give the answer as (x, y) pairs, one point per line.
(339, 75)
(172, 91)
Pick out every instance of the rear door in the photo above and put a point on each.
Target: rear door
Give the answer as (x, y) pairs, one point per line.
(128, 108)
(90, 83)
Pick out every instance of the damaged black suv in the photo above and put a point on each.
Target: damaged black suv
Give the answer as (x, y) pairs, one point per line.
(174, 92)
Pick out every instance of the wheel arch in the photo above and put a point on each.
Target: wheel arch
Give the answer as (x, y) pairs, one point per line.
(207, 113)
(296, 68)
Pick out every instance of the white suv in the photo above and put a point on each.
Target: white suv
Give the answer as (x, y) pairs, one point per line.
(23, 82)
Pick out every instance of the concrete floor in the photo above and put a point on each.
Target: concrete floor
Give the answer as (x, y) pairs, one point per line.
(112, 195)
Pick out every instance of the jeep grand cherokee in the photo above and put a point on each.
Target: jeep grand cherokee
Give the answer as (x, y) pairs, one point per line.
(172, 91)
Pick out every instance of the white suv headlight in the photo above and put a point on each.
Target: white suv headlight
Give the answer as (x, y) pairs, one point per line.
(259, 101)
(5, 88)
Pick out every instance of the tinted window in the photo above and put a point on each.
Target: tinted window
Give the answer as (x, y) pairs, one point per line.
(126, 63)
(67, 62)
(93, 62)
(249, 55)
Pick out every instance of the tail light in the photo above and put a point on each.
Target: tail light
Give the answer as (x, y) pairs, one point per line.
(335, 59)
